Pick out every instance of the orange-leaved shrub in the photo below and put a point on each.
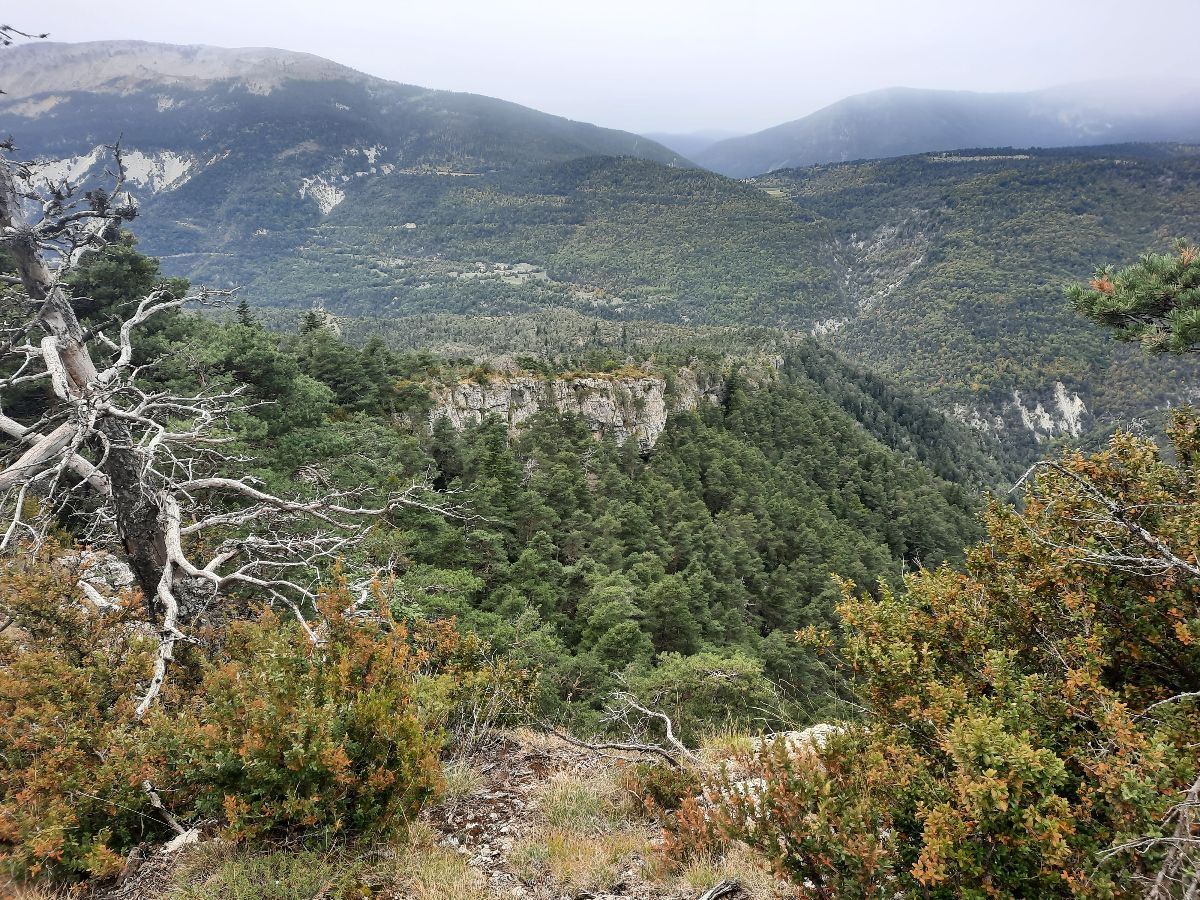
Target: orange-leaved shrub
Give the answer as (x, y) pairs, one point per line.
(286, 735)
(264, 732)
(70, 763)
(1028, 722)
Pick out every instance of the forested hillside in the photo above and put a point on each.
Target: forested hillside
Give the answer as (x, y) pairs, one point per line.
(381, 202)
(722, 539)
(956, 268)
(413, 496)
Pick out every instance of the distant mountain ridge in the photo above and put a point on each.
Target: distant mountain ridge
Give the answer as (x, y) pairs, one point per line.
(208, 102)
(304, 183)
(691, 143)
(902, 121)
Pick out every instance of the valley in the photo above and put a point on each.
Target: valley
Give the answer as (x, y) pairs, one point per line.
(409, 493)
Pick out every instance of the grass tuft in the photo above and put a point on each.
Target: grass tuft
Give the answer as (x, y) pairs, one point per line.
(222, 871)
(586, 804)
(577, 862)
(431, 872)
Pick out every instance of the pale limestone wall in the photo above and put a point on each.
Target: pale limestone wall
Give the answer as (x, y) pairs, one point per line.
(622, 406)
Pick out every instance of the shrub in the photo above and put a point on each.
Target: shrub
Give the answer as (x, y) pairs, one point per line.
(285, 736)
(659, 787)
(1026, 716)
(709, 691)
(268, 733)
(70, 762)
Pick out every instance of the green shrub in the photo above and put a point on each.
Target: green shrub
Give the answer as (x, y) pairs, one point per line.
(268, 734)
(286, 736)
(660, 788)
(1028, 715)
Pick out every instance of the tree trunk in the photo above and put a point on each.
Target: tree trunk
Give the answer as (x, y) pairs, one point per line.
(75, 379)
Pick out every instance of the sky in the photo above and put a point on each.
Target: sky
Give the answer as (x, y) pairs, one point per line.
(675, 66)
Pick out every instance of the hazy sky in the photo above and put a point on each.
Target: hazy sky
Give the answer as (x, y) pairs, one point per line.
(668, 65)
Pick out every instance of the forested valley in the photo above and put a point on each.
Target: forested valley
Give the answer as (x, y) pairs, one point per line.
(658, 535)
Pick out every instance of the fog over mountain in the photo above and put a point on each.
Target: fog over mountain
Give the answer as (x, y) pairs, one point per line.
(677, 66)
(692, 143)
(900, 121)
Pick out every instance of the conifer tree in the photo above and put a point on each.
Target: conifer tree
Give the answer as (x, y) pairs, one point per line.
(244, 316)
(1155, 301)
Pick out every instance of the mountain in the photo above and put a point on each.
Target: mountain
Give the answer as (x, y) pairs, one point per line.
(482, 228)
(691, 143)
(954, 266)
(902, 121)
(260, 125)
(941, 271)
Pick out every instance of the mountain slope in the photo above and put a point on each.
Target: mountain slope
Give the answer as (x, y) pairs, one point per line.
(491, 226)
(255, 126)
(903, 121)
(691, 143)
(955, 264)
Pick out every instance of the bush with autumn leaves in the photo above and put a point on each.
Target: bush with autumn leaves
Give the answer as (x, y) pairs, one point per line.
(1027, 724)
(263, 733)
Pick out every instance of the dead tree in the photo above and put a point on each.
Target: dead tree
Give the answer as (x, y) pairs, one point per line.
(153, 468)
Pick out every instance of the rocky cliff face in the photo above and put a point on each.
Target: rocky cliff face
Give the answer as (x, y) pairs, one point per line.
(1064, 414)
(624, 406)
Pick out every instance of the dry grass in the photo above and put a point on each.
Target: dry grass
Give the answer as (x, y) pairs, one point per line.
(583, 838)
(415, 868)
(223, 871)
(738, 863)
(461, 780)
(577, 862)
(584, 803)
(12, 891)
(721, 745)
(534, 739)
(429, 872)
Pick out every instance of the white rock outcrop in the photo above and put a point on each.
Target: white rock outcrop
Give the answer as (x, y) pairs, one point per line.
(621, 406)
(1063, 414)
(798, 743)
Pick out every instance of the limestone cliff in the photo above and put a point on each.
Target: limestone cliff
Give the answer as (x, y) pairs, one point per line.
(1063, 414)
(622, 405)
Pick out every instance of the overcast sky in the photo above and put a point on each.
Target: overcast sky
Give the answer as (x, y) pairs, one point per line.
(668, 65)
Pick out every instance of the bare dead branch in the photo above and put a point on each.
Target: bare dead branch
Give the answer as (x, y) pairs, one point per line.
(151, 464)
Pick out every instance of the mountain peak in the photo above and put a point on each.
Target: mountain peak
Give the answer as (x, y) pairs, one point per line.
(120, 66)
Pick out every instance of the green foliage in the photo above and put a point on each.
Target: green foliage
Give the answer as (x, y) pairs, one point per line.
(266, 733)
(946, 268)
(1156, 301)
(710, 690)
(113, 277)
(991, 239)
(70, 765)
(586, 560)
(284, 736)
(1020, 715)
(660, 788)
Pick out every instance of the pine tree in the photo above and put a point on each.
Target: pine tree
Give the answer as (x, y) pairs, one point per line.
(1155, 301)
(244, 316)
(312, 321)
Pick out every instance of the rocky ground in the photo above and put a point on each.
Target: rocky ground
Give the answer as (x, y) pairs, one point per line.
(487, 823)
(525, 817)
